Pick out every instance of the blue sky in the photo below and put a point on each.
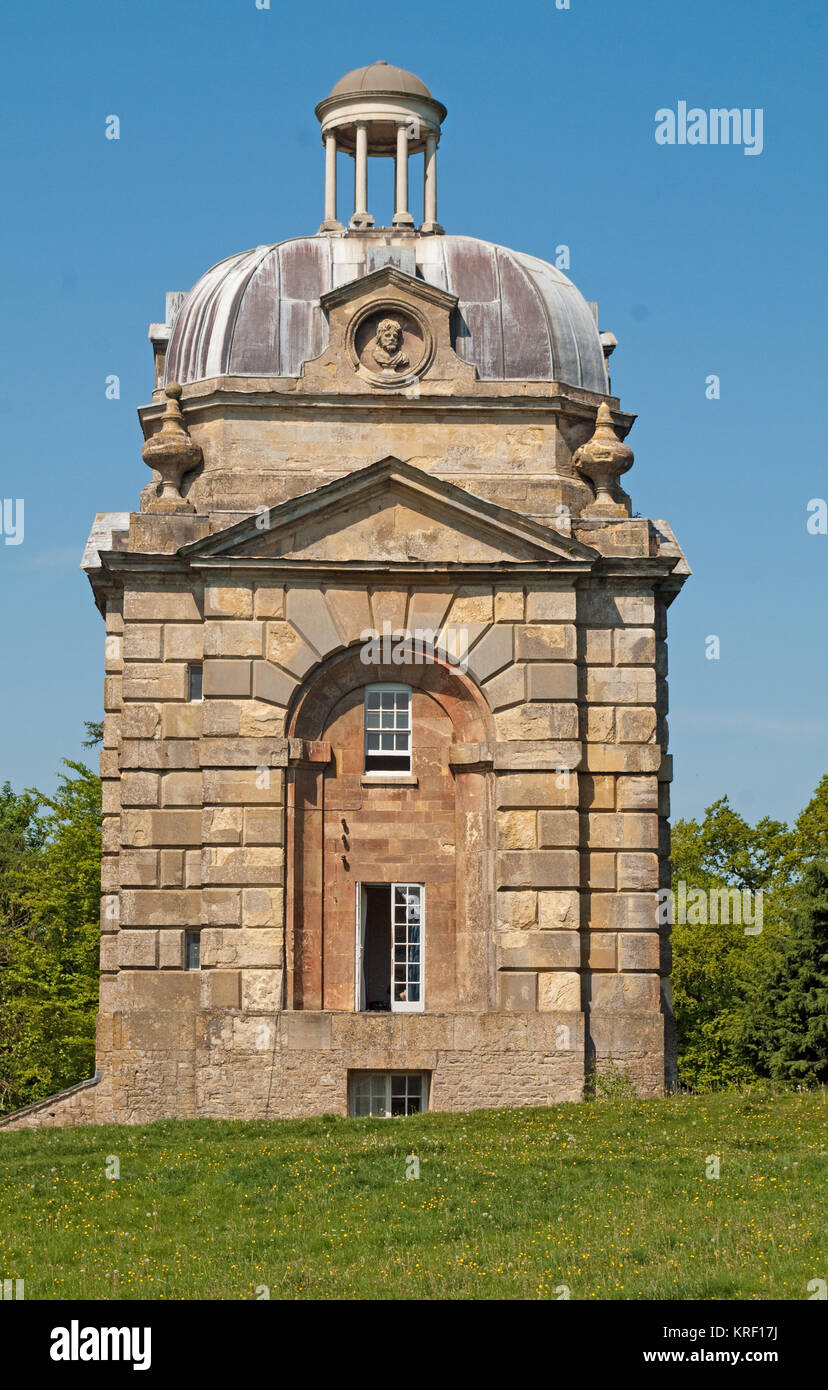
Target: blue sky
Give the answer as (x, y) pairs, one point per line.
(703, 260)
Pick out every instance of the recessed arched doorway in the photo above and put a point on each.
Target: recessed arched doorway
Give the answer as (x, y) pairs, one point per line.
(388, 859)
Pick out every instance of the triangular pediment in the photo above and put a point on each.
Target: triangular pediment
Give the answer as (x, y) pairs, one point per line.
(389, 513)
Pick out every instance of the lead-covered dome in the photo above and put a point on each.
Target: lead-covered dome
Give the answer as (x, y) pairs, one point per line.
(379, 77)
(259, 313)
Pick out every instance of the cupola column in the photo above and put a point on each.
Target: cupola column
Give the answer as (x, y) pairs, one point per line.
(361, 217)
(330, 223)
(402, 217)
(430, 223)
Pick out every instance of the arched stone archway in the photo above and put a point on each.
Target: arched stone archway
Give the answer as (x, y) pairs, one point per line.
(345, 829)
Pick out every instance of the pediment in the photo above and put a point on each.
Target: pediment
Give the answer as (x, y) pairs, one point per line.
(390, 513)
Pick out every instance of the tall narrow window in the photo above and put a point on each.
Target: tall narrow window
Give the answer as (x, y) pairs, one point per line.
(388, 728)
(192, 940)
(389, 956)
(196, 682)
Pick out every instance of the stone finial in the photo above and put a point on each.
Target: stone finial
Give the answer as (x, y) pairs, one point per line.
(602, 460)
(172, 453)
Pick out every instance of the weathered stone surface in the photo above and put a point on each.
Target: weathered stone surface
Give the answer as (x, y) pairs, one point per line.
(546, 868)
(269, 683)
(558, 829)
(229, 601)
(552, 681)
(536, 789)
(545, 642)
(233, 638)
(551, 605)
(539, 950)
(137, 949)
(624, 830)
(518, 991)
(517, 829)
(559, 911)
(507, 688)
(559, 990)
(493, 652)
(540, 721)
(226, 678)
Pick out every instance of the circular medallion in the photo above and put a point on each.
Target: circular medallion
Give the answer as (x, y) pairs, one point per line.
(390, 344)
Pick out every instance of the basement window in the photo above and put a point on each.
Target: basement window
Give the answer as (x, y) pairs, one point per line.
(387, 1095)
(192, 946)
(388, 728)
(195, 691)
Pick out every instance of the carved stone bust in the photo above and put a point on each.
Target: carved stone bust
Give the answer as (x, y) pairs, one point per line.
(388, 352)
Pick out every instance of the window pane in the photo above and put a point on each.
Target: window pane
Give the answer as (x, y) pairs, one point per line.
(373, 699)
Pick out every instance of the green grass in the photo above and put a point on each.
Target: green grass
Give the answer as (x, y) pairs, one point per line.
(609, 1198)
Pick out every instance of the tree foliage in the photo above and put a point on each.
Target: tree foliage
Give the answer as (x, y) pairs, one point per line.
(49, 935)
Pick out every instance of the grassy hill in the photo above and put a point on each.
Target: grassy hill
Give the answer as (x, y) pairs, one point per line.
(609, 1199)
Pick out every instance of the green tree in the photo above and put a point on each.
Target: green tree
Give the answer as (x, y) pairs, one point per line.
(49, 935)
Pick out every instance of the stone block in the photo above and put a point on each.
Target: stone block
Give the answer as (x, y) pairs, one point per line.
(600, 723)
(622, 830)
(518, 991)
(509, 688)
(253, 786)
(637, 794)
(114, 693)
(638, 950)
(262, 990)
(140, 721)
(492, 653)
(221, 907)
(559, 911)
(509, 605)
(109, 952)
(557, 829)
(550, 605)
(160, 605)
(518, 789)
(222, 718)
(546, 868)
(142, 642)
(287, 648)
(559, 991)
(600, 871)
(545, 642)
(552, 681)
(259, 720)
(221, 989)
(262, 907)
(263, 826)
(160, 907)
(597, 791)
(224, 678)
(638, 872)
(260, 948)
(307, 610)
(222, 825)
(637, 725)
(608, 757)
(269, 683)
(539, 950)
(181, 721)
(517, 829)
(233, 638)
(139, 789)
(634, 646)
(175, 828)
(538, 722)
(139, 868)
(268, 601)
(257, 864)
(473, 603)
(597, 643)
(172, 868)
(159, 680)
(602, 950)
(517, 910)
(183, 641)
(620, 686)
(137, 949)
(171, 949)
(624, 992)
(303, 1031)
(233, 601)
(623, 911)
(181, 789)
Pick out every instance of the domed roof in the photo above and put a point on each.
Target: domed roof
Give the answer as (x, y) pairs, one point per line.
(379, 77)
(259, 313)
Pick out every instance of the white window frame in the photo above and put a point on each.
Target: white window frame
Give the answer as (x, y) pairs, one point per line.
(386, 689)
(398, 1006)
(384, 1081)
